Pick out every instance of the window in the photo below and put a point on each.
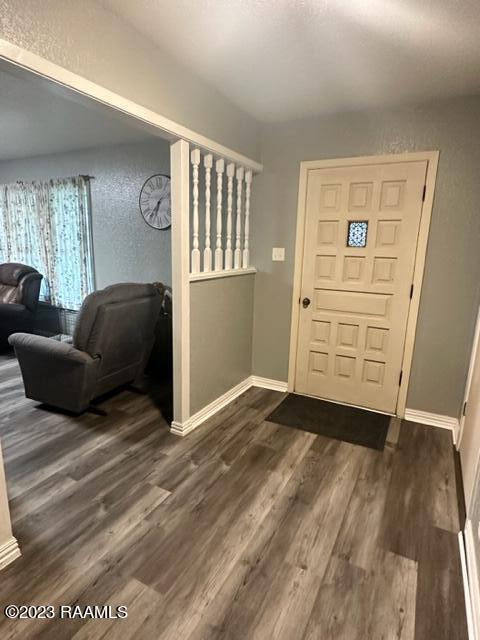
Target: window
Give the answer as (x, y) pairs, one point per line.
(47, 226)
(357, 234)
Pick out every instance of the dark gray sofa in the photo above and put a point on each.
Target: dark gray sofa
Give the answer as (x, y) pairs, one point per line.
(111, 344)
(19, 291)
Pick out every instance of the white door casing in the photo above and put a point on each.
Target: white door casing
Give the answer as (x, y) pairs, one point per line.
(469, 445)
(349, 344)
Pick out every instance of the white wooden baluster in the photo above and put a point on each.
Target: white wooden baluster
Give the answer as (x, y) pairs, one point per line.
(246, 244)
(220, 168)
(238, 242)
(207, 252)
(228, 250)
(195, 158)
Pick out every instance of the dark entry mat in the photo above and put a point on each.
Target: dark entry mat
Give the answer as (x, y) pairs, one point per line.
(339, 421)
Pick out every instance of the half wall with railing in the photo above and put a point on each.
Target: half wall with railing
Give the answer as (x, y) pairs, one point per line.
(220, 216)
(212, 311)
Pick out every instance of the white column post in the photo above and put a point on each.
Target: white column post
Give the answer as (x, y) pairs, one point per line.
(9, 549)
(180, 193)
(207, 252)
(238, 240)
(220, 168)
(195, 157)
(228, 250)
(246, 244)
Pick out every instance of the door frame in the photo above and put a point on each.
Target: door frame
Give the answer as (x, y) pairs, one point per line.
(468, 384)
(431, 157)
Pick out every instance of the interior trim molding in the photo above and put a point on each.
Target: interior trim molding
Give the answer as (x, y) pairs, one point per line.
(41, 66)
(182, 428)
(179, 170)
(212, 275)
(269, 383)
(434, 420)
(470, 580)
(9, 552)
(471, 366)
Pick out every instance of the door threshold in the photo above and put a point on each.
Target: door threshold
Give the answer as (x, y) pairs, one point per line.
(347, 404)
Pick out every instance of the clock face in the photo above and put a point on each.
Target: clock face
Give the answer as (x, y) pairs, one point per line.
(155, 205)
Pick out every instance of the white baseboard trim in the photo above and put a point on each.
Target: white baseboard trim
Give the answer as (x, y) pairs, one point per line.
(181, 429)
(268, 383)
(472, 586)
(434, 420)
(9, 552)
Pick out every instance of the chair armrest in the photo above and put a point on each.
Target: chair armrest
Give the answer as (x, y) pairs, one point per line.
(12, 310)
(48, 348)
(55, 373)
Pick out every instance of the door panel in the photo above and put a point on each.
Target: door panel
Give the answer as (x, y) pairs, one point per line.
(361, 230)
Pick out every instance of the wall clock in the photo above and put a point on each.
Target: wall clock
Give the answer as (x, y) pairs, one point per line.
(155, 205)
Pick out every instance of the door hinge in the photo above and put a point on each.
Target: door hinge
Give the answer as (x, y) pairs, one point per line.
(400, 378)
(424, 192)
(411, 292)
(464, 408)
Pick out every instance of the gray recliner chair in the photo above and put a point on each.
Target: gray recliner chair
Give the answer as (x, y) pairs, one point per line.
(19, 291)
(111, 344)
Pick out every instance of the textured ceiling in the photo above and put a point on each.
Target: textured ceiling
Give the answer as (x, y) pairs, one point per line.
(284, 59)
(35, 119)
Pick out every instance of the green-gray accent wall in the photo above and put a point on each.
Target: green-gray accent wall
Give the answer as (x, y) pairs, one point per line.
(451, 288)
(221, 315)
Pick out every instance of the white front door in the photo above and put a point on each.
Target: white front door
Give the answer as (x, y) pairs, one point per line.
(361, 231)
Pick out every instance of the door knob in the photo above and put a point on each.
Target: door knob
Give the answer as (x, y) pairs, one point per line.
(306, 302)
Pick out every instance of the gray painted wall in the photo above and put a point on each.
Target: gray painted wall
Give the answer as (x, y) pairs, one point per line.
(221, 314)
(89, 40)
(125, 247)
(451, 289)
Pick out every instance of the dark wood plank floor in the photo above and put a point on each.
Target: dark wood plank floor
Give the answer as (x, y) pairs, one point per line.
(242, 530)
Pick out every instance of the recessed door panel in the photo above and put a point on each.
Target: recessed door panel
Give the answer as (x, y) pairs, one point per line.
(361, 232)
(352, 303)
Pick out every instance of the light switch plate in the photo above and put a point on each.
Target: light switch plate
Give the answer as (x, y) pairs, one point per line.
(278, 254)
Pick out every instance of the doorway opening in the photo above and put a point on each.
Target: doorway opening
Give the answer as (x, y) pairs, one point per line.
(100, 170)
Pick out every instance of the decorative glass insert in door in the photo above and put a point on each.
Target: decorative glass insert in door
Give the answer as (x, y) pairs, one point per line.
(357, 233)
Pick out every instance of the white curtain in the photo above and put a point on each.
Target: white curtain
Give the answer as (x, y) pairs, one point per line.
(47, 226)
